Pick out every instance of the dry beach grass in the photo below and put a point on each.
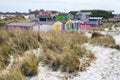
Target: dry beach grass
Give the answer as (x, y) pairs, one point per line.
(61, 50)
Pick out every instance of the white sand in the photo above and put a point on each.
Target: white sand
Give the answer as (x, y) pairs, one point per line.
(106, 67)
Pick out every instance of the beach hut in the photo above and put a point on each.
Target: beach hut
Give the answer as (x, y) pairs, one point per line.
(73, 25)
(58, 26)
(69, 25)
(87, 25)
(76, 25)
(46, 26)
(84, 25)
(21, 26)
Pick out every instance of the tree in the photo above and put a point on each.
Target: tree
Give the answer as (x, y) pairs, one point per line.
(99, 13)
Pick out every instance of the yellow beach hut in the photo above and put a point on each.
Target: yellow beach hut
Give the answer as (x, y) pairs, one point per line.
(58, 26)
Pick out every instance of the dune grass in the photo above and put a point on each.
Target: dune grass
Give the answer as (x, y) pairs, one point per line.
(61, 50)
(12, 74)
(16, 43)
(27, 64)
(103, 40)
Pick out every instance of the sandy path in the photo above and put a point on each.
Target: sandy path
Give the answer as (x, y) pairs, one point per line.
(106, 67)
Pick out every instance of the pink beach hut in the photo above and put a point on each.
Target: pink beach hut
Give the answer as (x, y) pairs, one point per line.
(85, 26)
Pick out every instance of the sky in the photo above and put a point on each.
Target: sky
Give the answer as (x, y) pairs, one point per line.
(59, 5)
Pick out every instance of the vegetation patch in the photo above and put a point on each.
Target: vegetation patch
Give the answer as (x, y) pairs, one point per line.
(115, 46)
(97, 34)
(2, 24)
(64, 51)
(29, 65)
(99, 39)
(61, 50)
(12, 74)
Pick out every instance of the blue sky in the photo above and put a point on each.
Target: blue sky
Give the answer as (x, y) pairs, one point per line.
(59, 5)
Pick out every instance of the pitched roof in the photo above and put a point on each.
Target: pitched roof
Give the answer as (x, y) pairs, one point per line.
(73, 12)
(58, 22)
(20, 24)
(45, 14)
(69, 22)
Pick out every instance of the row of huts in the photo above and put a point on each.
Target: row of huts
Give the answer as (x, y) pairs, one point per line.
(46, 26)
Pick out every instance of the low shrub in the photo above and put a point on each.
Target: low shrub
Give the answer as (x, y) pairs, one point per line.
(12, 74)
(69, 59)
(104, 41)
(16, 42)
(2, 24)
(29, 65)
(71, 62)
(97, 34)
(115, 46)
(3, 36)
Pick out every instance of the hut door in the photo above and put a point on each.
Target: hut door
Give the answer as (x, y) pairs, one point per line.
(57, 27)
(68, 27)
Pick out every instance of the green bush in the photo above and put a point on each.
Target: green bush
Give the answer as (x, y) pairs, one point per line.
(99, 13)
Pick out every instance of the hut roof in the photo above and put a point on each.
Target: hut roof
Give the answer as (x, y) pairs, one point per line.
(76, 21)
(20, 24)
(96, 18)
(69, 22)
(92, 22)
(58, 22)
(45, 23)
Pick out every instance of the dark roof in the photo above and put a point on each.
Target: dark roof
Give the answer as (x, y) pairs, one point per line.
(20, 24)
(34, 12)
(45, 16)
(91, 22)
(73, 12)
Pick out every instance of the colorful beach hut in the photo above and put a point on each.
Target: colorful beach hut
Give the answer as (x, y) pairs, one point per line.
(58, 26)
(73, 25)
(76, 25)
(85, 25)
(69, 25)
